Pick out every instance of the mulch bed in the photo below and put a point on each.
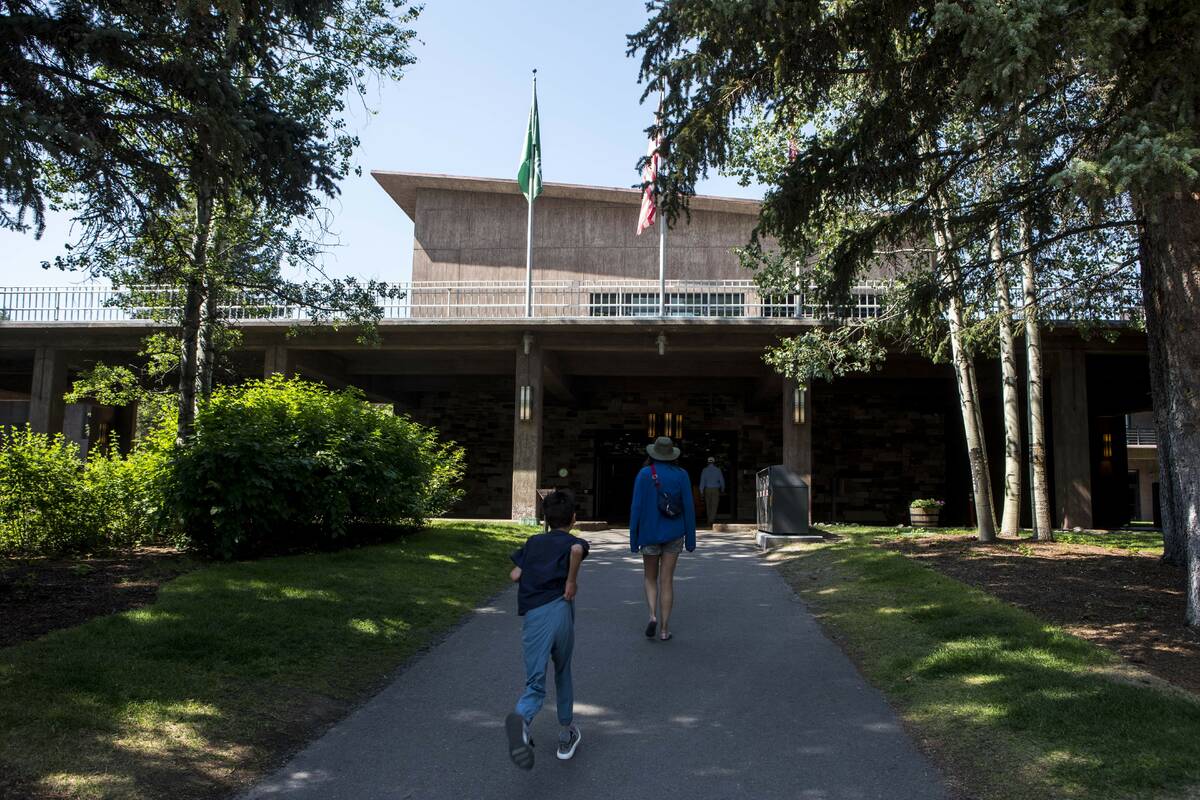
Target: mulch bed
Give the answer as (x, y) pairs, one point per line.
(1130, 603)
(41, 595)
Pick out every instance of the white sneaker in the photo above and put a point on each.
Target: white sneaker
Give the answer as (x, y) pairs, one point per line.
(568, 740)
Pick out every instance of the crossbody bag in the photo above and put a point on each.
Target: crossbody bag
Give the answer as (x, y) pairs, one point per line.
(668, 505)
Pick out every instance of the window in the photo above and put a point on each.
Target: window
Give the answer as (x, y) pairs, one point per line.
(678, 304)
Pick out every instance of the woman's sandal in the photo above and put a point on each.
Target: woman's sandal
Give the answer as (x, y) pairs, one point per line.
(651, 628)
(665, 637)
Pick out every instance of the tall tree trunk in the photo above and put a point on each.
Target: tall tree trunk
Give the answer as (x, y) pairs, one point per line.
(206, 349)
(1170, 250)
(1039, 491)
(1011, 522)
(202, 334)
(968, 394)
(193, 306)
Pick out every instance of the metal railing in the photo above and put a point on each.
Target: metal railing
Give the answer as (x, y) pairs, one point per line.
(451, 300)
(1144, 437)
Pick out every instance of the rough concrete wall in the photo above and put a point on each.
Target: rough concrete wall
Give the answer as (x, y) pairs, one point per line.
(1145, 461)
(477, 236)
(480, 421)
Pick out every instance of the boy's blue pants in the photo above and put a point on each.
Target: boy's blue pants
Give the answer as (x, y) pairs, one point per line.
(548, 633)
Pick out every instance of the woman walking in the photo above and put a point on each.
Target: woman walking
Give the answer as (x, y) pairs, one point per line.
(662, 522)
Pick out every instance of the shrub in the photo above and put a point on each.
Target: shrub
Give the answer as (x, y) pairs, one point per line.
(51, 502)
(928, 503)
(284, 465)
(43, 504)
(125, 493)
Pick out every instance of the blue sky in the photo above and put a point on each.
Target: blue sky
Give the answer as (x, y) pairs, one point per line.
(462, 110)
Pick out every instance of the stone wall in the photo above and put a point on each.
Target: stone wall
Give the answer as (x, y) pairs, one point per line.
(481, 420)
(878, 444)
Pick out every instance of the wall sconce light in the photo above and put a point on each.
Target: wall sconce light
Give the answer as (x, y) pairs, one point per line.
(668, 423)
(1106, 441)
(661, 341)
(799, 405)
(527, 342)
(651, 425)
(678, 427)
(525, 404)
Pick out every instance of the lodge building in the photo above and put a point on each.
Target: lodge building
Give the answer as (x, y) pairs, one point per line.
(570, 395)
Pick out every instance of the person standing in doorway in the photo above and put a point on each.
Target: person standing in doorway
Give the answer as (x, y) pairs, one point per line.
(662, 522)
(712, 485)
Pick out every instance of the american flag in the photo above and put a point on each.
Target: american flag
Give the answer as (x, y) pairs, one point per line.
(649, 211)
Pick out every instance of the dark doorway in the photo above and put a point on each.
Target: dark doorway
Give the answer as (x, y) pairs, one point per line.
(722, 446)
(614, 492)
(620, 454)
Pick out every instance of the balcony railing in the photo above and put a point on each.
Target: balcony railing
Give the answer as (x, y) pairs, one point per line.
(734, 299)
(1143, 437)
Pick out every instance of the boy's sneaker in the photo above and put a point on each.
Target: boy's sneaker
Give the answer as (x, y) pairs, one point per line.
(520, 743)
(568, 740)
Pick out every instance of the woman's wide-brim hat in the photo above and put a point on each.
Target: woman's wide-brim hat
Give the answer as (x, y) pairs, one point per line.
(663, 449)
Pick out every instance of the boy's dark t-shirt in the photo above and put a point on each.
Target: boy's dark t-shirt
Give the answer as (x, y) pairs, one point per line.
(544, 559)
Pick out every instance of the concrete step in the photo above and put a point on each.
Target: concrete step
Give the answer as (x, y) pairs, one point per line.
(769, 541)
(733, 527)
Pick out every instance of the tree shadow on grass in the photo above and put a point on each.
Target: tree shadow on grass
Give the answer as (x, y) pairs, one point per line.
(971, 671)
(1131, 604)
(234, 667)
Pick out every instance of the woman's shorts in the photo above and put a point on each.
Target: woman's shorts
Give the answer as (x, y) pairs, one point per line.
(675, 546)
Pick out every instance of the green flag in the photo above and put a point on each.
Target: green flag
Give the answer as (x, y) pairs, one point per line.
(531, 155)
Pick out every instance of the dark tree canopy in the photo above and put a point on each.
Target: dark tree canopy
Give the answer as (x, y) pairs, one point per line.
(107, 105)
(1084, 112)
(1099, 97)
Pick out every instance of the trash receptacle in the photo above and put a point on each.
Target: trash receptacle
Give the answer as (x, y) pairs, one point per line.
(781, 497)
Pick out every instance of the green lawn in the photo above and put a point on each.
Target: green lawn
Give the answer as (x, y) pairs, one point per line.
(1014, 708)
(1136, 541)
(233, 666)
(1148, 541)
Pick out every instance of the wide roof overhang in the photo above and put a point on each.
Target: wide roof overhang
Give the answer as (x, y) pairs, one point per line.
(403, 187)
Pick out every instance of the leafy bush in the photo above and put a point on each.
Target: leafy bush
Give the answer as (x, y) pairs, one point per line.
(43, 504)
(125, 493)
(51, 502)
(283, 465)
(927, 503)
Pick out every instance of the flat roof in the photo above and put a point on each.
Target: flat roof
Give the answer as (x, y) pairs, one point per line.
(402, 187)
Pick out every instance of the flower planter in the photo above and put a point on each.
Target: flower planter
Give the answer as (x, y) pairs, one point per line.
(924, 517)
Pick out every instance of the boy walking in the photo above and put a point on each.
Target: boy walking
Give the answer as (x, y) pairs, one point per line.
(547, 570)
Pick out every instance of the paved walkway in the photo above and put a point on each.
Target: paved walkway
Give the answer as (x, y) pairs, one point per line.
(749, 700)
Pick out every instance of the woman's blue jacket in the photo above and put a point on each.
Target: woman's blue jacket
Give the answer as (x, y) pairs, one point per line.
(648, 525)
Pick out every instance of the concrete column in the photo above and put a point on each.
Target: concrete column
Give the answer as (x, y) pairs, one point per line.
(46, 406)
(527, 434)
(278, 360)
(797, 438)
(1071, 440)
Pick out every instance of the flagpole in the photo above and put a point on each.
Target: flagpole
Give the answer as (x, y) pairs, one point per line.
(662, 265)
(529, 226)
(662, 223)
